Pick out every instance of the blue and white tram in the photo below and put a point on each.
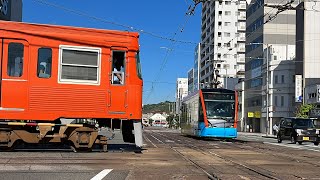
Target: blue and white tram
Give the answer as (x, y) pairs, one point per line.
(210, 113)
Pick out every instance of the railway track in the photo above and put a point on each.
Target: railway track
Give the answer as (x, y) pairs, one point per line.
(260, 173)
(202, 146)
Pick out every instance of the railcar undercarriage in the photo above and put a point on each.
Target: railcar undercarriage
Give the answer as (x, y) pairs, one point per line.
(80, 134)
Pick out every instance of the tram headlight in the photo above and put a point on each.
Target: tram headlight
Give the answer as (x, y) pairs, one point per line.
(317, 131)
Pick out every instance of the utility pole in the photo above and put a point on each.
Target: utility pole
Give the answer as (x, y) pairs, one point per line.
(267, 102)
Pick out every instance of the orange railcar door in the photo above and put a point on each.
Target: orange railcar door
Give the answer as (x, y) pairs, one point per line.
(14, 75)
(118, 93)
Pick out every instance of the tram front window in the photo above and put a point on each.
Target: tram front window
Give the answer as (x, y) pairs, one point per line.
(220, 109)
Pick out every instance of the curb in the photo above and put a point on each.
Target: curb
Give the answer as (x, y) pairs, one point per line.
(274, 137)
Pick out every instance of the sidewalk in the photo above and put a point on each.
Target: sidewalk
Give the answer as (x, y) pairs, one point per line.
(257, 134)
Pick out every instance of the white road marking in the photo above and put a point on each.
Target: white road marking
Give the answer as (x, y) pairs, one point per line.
(150, 141)
(157, 139)
(101, 174)
(293, 146)
(169, 141)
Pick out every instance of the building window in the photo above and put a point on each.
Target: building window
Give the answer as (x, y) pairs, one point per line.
(228, 3)
(227, 13)
(227, 23)
(15, 59)
(226, 34)
(276, 100)
(79, 65)
(282, 78)
(219, 34)
(276, 79)
(44, 62)
(282, 101)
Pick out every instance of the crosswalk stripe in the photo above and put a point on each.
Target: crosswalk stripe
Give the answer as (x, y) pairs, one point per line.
(294, 146)
(102, 174)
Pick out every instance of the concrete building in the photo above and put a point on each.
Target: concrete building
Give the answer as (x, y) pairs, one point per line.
(307, 51)
(190, 80)
(158, 120)
(181, 92)
(267, 42)
(222, 40)
(196, 70)
(11, 10)
(241, 126)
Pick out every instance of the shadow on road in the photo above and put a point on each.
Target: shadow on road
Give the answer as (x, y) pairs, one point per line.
(65, 148)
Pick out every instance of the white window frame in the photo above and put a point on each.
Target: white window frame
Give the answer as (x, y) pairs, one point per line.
(74, 81)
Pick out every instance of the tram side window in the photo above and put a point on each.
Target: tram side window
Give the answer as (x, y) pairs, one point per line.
(80, 65)
(44, 62)
(118, 67)
(15, 59)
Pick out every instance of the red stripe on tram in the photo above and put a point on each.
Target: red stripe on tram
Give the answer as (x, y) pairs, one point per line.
(204, 110)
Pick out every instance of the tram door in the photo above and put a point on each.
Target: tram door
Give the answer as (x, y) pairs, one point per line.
(14, 74)
(118, 94)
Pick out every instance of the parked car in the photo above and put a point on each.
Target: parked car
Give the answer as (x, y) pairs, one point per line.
(298, 130)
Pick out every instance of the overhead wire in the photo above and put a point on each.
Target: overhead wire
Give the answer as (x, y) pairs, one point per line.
(131, 28)
(165, 60)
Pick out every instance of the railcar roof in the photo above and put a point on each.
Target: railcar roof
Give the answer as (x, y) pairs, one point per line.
(59, 29)
(218, 90)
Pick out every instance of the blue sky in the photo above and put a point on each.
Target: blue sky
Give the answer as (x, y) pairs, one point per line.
(163, 61)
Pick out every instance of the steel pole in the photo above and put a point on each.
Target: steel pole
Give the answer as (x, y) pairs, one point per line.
(267, 81)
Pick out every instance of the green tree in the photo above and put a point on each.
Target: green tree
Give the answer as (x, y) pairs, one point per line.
(170, 120)
(303, 110)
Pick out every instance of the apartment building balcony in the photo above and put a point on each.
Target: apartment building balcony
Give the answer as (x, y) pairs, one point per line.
(242, 17)
(241, 60)
(241, 38)
(242, 6)
(242, 28)
(241, 49)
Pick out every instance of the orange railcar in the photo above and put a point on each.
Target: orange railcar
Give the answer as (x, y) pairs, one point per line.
(52, 72)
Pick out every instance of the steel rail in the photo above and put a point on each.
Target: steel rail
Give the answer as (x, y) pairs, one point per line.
(226, 159)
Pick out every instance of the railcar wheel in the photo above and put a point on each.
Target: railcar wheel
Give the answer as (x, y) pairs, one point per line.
(128, 136)
(299, 142)
(12, 148)
(316, 143)
(127, 128)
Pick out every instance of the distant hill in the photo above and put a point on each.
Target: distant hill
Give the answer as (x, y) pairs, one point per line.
(166, 106)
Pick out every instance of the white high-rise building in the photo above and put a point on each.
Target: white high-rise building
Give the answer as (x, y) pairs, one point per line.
(181, 92)
(222, 41)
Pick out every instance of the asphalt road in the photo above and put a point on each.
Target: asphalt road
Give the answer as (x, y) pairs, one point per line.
(169, 155)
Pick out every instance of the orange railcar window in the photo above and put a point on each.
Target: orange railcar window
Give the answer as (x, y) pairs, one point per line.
(138, 64)
(44, 62)
(118, 67)
(15, 59)
(79, 64)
